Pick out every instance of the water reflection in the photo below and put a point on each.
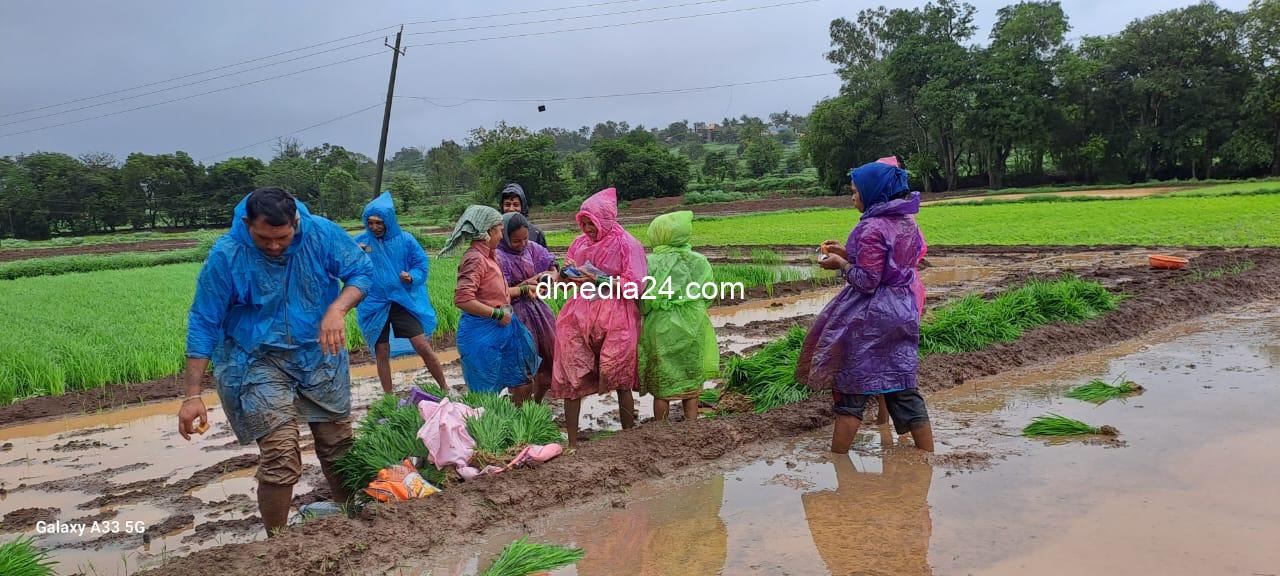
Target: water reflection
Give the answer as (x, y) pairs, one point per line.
(680, 534)
(874, 523)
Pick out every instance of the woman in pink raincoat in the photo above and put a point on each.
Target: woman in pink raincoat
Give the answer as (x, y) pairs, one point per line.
(597, 338)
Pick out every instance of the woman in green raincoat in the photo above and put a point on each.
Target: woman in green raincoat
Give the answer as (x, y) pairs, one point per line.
(678, 350)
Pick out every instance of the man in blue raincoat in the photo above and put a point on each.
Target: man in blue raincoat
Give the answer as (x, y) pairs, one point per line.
(269, 312)
(398, 300)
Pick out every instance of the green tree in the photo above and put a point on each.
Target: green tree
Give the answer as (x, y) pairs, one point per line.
(446, 169)
(409, 190)
(719, 166)
(763, 156)
(694, 151)
(227, 182)
(1262, 104)
(339, 195)
(640, 171)
(295, 174)
(507, 154)
(163, 187)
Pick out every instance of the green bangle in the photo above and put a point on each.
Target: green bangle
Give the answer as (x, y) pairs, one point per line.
(494, 314)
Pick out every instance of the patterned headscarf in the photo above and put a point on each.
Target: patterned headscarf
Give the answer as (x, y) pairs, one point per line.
(473, 225)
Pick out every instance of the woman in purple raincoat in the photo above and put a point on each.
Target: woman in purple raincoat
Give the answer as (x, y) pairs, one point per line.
(524, 262)
(865, 343)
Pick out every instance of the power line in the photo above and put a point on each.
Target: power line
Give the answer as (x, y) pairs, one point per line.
(190, 96)
(188, 84)
(566, 18)
(307, 47)
(185, 76)
(429, 99)
(300, 130)
(604, 26)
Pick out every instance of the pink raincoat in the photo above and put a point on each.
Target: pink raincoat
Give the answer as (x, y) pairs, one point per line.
(597, 339)
(444, 432)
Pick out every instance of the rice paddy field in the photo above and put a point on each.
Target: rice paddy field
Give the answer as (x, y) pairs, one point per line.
(1216, 220)
(1031, 345)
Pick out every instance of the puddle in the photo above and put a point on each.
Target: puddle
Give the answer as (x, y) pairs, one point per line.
(1186, 492)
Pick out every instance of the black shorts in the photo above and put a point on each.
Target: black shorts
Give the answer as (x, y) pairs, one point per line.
(906, 407)
(404, 322)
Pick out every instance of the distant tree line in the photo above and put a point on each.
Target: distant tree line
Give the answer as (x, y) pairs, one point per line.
(45, 193)
(1187, 93)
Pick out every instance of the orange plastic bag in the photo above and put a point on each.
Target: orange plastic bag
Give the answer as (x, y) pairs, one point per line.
(400, 482)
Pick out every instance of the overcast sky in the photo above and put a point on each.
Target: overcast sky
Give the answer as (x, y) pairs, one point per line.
(55, 51)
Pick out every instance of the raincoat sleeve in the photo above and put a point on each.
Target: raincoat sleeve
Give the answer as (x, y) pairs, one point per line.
(419, 267)
(702, 274)
(347, 261)
(209, 308)
(867, 263)
(635, 266)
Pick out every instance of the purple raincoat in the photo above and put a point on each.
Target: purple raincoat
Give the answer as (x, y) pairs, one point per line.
(867, 339)
(532, 312)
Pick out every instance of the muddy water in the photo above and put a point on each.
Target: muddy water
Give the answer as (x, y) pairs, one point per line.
(1185, 490)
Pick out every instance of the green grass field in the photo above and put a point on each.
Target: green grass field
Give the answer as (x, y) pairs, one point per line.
(1175, 221)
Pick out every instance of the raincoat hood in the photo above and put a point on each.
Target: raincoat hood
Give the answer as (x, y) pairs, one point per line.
(514, 189)
(602, 210)
(878, 181)
(240, 230)
(897, 207)
(670, 231)
(383, 207)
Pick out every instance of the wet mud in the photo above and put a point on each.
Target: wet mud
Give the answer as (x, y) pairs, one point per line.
(97, 249)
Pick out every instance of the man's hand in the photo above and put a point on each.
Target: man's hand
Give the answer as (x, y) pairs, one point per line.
(333, 331)
(406, 278)
(192, 410)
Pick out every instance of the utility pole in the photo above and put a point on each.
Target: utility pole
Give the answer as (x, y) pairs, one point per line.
(396, 52)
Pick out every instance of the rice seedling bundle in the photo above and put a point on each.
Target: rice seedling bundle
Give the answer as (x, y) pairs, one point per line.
(1099, 391)
(20, 557)
(387, 435)
(535, 425)
(503, 428)
(768, 376)
(523, 557)
(973, 323)
(1058, 425)
(710, 396)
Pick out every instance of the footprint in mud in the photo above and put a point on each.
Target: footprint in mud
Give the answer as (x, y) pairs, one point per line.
(86, 432)
(78, 445)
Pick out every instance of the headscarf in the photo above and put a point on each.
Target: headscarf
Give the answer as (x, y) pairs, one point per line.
(511, 222)
(877, 182)
(514, 189)
(473, 225)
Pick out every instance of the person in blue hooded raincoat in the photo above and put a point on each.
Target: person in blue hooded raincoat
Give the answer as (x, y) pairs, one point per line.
(269, 313)
(398, 301)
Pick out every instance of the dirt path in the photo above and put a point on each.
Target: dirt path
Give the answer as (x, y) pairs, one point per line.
(97, 249)
(603, 469)
(1117, 193)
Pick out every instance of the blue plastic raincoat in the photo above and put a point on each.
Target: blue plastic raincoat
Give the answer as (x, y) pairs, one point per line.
(258, 320)
(397, 251)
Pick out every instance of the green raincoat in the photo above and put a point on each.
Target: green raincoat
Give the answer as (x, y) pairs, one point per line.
(678, 350)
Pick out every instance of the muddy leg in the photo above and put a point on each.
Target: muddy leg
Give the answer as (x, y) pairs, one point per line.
(627, 408)
(882, 416)
(660, 409)
(690, 409)
(423, 347)
(571, 410)
(382, 357)
(273, 505)
(279, 468)
(922, 434)
(333, 439)
(845, 430)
